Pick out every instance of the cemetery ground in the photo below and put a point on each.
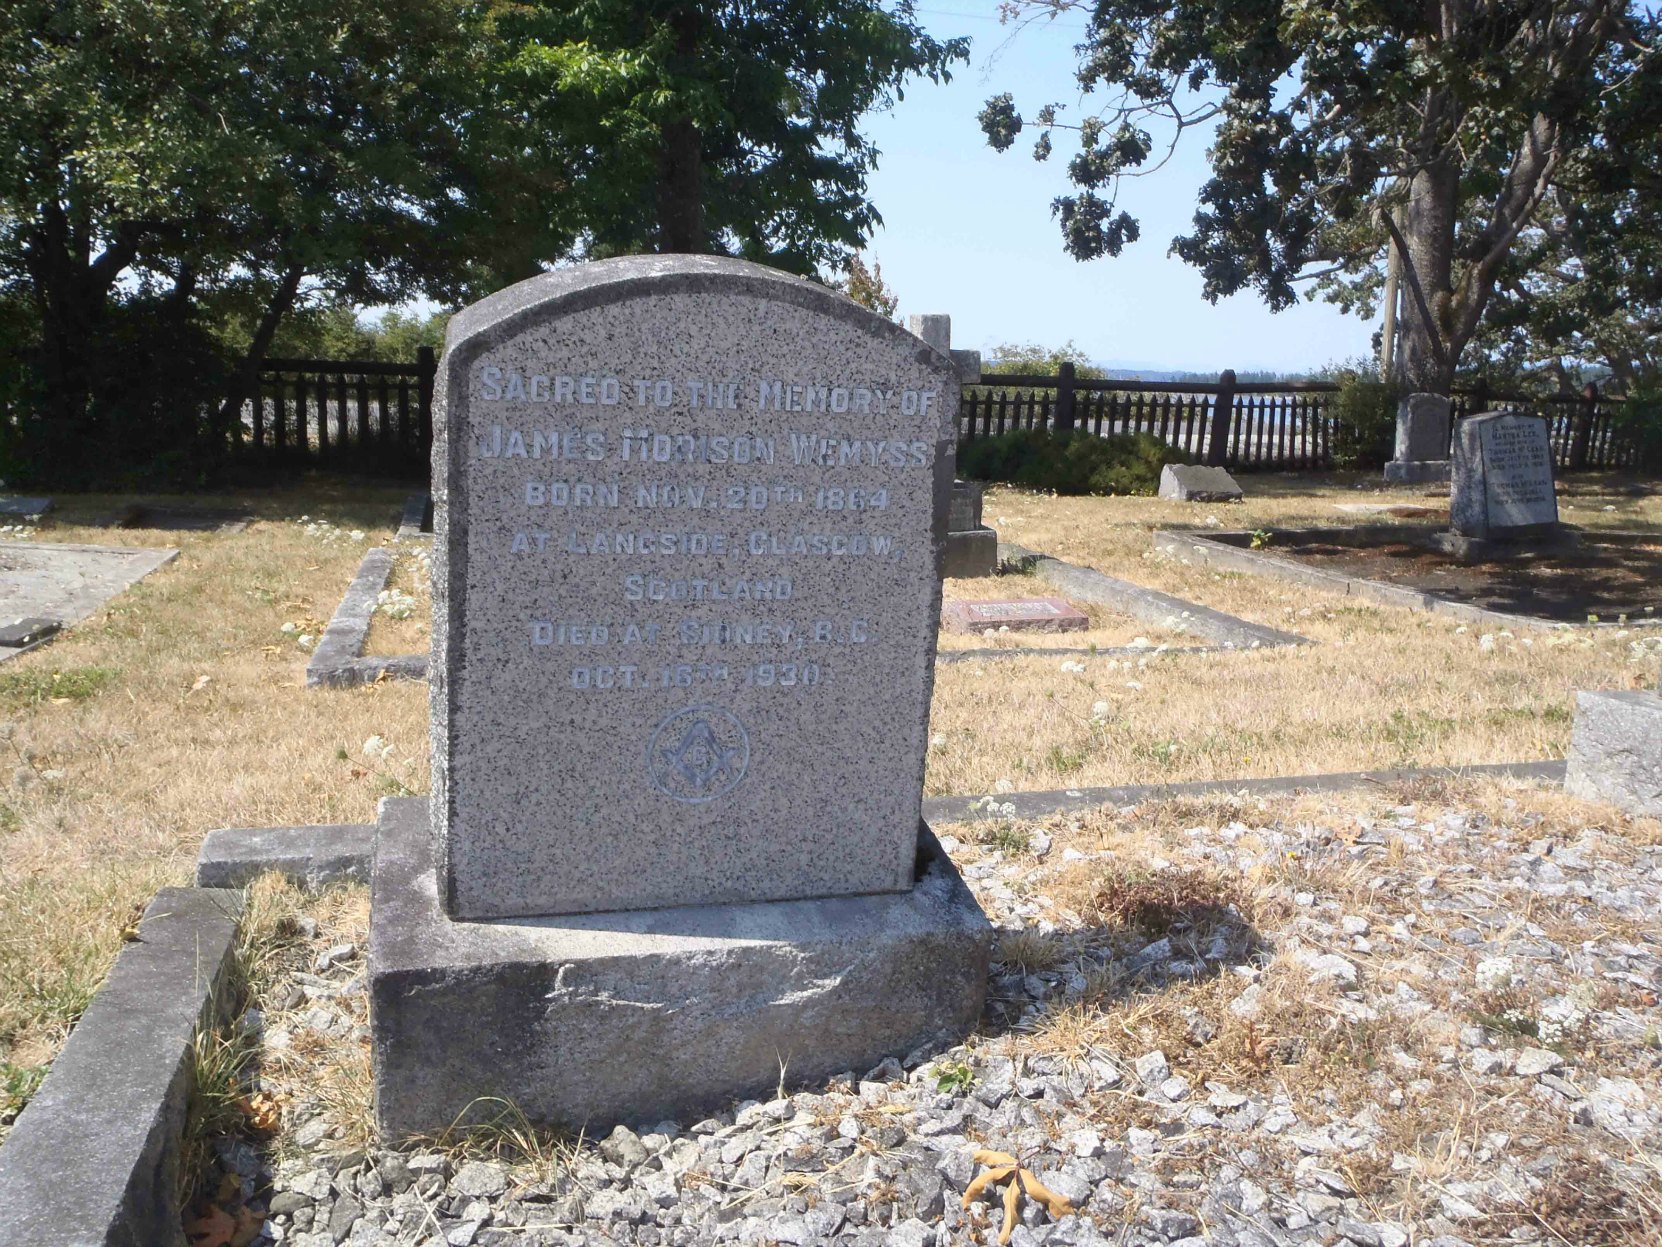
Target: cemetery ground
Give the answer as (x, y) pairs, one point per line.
(1395, 1082)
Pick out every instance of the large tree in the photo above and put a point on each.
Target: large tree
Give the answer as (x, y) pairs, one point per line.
(159, 154)
(728, 125)
(1437, 127)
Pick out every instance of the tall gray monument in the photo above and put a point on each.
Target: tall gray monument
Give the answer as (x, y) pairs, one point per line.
(1422, 442)
(689, 519)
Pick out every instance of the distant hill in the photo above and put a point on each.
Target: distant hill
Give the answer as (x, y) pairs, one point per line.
(1140, 371)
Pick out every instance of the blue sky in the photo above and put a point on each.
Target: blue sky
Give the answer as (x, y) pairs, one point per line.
(969, 232)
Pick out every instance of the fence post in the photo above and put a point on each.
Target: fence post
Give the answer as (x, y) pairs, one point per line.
(1586, 410)
(1223, 411)
(1063, 420)
(424, 403)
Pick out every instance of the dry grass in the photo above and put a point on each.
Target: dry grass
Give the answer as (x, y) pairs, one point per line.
(389, 636)
(1367, 1054)
(181, 707)
(1381, 687)
(187, 712)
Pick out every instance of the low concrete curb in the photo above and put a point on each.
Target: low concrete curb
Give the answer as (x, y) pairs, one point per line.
(338, 660)
(938, 810)
(321, 854)
(1148, 605)
(1115, 651)
(93, 1161)
(1214, 553)
(311, 856)
(415, 523)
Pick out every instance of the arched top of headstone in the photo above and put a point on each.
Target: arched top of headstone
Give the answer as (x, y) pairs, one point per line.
(594, 285)
(689, 521)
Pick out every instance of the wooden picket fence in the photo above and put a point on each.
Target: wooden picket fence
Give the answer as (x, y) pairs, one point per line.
(369, 416)
(1257, 425)
(360, 415)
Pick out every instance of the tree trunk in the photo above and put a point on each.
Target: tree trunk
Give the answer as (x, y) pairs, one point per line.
(681, 159)
(282, 299)
(1425, 362)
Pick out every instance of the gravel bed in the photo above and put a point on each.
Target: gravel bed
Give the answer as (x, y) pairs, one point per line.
(1366, 1021)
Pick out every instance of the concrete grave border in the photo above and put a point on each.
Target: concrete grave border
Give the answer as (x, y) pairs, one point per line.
(321, 854)
(945, 810)
(338, 661)
(1214, 553)
(1149, 605)
(415, 522)
(94, 1156)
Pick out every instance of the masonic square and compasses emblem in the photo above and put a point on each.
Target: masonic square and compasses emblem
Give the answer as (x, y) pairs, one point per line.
(698, 754)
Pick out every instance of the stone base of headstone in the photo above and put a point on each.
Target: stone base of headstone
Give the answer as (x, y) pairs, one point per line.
(1418, 471)
(972, 553)
(1193, 482)
(1616, 750)
(1533, 542)
(584, 1021)
(971, 547)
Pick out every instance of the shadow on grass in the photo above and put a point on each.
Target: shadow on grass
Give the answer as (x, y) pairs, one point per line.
(1143, 931)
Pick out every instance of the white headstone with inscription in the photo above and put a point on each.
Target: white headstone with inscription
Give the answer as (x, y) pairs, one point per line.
(1502, 482)
(689, 514)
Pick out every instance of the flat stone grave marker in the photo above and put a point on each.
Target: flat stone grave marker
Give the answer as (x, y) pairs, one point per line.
(64, 583)
(1503, 482)
(1018, 615)
(15, 504)
(1193, 482)
(689, 522)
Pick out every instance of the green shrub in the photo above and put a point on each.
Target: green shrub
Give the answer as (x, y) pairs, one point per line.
(1639, 419)
(1069, 463)
(1364, 415)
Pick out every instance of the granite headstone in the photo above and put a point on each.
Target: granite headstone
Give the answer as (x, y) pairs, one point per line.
(689, 525)
(1422, 440)
(1502, 482)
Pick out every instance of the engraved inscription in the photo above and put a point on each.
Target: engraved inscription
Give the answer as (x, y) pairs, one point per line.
(1517, 473)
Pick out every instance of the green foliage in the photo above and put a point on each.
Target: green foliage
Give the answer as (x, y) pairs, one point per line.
(1069, 463)
(867, 287)
(1032, 358)
(18, 1084)
(1364, 414)
(1326, 119)
(29, 688)
(954, 1077)
(1639, 419)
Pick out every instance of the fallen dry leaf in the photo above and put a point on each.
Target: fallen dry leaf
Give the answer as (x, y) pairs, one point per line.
(1003, 1167)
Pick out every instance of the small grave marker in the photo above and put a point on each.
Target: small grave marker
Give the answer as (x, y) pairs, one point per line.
(1193, 482)
(1018, 615)
(1502, 500)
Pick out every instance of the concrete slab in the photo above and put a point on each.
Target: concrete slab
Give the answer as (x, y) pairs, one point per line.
(28, 632)
(1616, 750)
(591, 1019)
(1015, 614)
(67, 583)
(310, 855)
(94, 1158)
(18, 504)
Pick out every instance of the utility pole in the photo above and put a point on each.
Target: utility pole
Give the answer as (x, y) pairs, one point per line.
(1388, 335)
